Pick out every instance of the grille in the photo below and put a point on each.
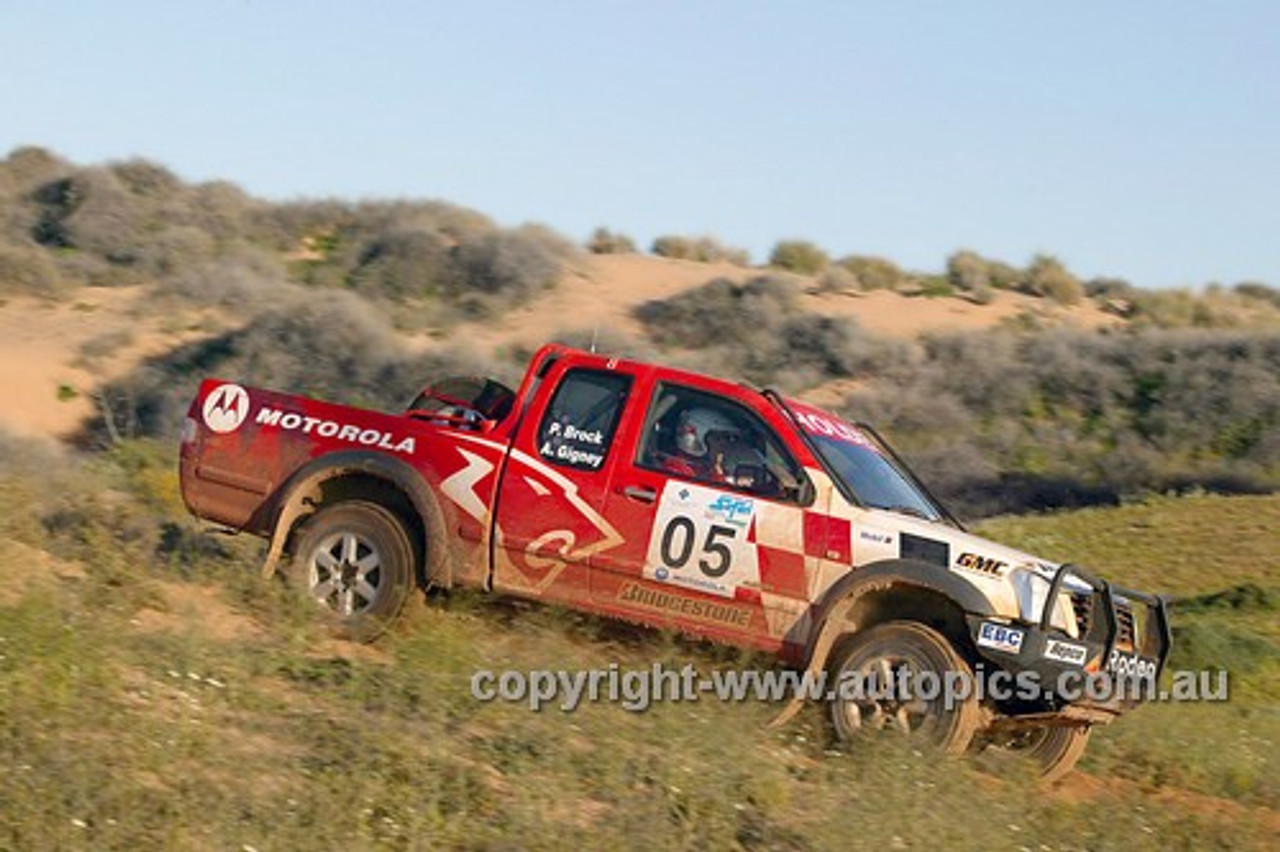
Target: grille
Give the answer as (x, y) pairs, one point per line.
(1082, 604)
(1124, 627)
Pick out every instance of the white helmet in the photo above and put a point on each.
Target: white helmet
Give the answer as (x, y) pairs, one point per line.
(696, 423)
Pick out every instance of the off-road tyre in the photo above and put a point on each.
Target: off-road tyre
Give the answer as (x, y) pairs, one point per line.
(1054, 751)
(355, 560)
(885, 649)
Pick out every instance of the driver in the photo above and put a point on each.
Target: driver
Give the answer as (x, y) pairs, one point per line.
(710, 447)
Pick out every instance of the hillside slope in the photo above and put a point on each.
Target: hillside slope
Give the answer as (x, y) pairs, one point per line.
(159, 694)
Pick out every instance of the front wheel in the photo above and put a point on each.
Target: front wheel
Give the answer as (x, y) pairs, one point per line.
(355, 560)
(907, 677)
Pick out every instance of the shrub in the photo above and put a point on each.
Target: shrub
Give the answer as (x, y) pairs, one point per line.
(837, 279)
(874, 273)
(28, 269)
(330, 345)
(148, 179)
(799, 256)
(1065, 416)
(936, 286)
(1259, 291)
(967, 271)
(1109, 288)
(1047, 277)
(1005, 276)
(983, 295)
(700, 249)
(403, 264)
(604, 241)
(512, 264)
(248, 280)
(757, 330)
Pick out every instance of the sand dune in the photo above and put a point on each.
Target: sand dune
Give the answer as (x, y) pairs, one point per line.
(54, 355)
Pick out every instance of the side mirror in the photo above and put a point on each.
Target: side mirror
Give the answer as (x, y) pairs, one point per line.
(806, 493)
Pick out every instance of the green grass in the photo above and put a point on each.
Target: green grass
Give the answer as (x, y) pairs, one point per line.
(131, 718)
(1178, 546)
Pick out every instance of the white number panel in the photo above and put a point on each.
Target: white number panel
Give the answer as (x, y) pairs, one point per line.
(703, 539)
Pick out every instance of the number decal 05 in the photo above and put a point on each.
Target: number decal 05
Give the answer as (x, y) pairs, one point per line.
(701, 539)
(683, 528)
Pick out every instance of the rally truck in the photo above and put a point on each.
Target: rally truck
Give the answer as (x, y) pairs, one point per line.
(681, 501)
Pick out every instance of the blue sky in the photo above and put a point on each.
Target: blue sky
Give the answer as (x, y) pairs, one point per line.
(1137, 139)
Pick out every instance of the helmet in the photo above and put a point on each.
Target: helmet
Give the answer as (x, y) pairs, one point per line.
(695, 424)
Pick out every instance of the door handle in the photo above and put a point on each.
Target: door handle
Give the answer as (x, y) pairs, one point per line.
(642, 495)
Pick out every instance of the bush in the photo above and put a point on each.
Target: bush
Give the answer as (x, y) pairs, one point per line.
(837, 279)
(28, 269)
(1259, 291)
(604, 241)
(1109, 288)
(331, 346)
(248, 280)
(967, 271)
(1061, 417)
(404, 264)
(757, 331)
(935, 287)
(1047, 277)
(700, 249)
(511, 264)
(874, 273)
(799, 256)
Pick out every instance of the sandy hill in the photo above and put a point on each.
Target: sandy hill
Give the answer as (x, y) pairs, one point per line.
(54, 354)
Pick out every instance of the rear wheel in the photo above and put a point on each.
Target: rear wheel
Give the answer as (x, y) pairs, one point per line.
(894, 676)
(355, 560)
(1054, 750)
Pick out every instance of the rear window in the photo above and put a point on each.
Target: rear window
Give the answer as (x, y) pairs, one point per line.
(577, 429)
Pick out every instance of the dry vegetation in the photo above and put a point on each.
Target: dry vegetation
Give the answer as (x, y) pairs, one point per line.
(155, 694)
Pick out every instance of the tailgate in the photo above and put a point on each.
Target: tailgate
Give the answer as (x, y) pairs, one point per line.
(241, 444)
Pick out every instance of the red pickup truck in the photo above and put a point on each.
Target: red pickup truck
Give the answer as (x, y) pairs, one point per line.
(677, 500)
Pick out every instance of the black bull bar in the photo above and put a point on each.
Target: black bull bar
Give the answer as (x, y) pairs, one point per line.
(1156, 628)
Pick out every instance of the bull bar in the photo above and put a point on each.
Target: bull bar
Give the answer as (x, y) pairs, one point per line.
(1156, 605)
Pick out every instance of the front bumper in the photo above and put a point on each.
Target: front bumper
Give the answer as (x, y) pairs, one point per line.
(1120, 633)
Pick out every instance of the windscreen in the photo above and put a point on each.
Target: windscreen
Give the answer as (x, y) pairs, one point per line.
(865, 468)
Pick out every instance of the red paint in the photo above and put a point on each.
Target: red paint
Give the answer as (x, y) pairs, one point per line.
(580, 536)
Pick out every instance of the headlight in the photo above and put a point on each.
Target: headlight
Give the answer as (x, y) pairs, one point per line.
(1032, 589)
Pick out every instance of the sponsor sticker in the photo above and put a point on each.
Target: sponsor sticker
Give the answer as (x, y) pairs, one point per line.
(1066, 652)
(292, 421)
(817, 423)
(981, 564)
(226, 407)
(670, 603)
(1130, 665)
(1000, 637)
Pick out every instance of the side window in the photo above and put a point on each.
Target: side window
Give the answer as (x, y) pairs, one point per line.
(579, 424)
(707, 438)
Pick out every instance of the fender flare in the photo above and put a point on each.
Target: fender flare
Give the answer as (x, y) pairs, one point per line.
(289, 504)
(828, 623)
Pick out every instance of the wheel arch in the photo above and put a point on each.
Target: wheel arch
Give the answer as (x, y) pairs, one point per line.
(895, 589)
(373, 477)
